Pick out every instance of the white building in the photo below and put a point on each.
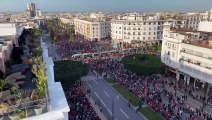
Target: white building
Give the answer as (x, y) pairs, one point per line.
(93, 29)
(9, 33)
(188, 55)
(208, 15)
(138, 28)
(205, 26)
(97, 15)
(192, 20)
(38, 13)
(67, 21)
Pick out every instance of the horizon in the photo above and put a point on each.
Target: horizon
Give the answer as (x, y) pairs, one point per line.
(150, 6)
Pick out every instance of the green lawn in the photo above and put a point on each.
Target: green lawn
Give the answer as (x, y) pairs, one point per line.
(150, 114)
(143, 64)
(146, 111)
(110, 81)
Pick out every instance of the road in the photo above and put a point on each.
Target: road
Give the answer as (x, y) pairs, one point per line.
(104, 94)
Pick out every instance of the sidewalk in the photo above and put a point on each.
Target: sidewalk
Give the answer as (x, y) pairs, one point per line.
(193, 103)
(96, 108)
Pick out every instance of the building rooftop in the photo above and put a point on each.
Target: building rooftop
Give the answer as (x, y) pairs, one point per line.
(199, 43)
(187, 31)
(93, 19)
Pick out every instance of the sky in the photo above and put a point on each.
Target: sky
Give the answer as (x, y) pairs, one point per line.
(109, 5)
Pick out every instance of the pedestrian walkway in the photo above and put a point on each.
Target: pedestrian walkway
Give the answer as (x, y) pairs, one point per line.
(96, 108)
(194, 103)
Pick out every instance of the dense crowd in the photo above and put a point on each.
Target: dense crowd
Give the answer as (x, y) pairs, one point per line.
(67, 48)
(149, 89)
(80, 108)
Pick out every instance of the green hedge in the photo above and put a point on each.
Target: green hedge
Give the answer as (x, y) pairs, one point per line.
(68, 72)
(151, 64)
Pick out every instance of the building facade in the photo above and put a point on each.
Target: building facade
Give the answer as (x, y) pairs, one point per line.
(138, 28)
(31, 10)
(192, 20)
(188, 55)
(93, 29)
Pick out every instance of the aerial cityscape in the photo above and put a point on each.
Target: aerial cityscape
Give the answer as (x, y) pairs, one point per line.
(106, 60)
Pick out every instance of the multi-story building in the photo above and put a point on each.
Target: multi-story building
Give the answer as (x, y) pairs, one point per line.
(137, 27)
(31, 10)
(93, 29)
(208, 15)
(192, 20)
(188, 55)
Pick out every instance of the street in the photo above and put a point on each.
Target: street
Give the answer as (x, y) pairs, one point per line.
(103, 93)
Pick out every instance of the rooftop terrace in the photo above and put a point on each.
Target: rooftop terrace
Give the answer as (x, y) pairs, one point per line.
(200, 43)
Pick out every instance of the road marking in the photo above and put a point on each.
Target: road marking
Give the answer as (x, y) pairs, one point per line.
(103, 103)
(89, 85)
(96, 94)
(124, 113)
(109, 111)
(106, 93)
(96, 82)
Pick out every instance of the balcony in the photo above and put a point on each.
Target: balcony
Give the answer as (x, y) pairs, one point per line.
(195, 70)
(196, 57)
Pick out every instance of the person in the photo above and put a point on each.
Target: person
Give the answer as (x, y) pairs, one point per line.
(128, 103)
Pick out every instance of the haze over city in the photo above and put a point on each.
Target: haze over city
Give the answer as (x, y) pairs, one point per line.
(109, 5)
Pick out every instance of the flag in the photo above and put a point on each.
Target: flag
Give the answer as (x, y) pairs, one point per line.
(144, 88)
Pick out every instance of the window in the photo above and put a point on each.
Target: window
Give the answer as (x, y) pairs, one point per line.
(144, 33)
(149, 28)
(138, 28)
(119, 27)
(138, 38)
(149, 33)
(133, 33)
(154, 33)
(139, 33)
(144, 23)
(148, 38)
(168, 53)
(149, 23)
(172, 54)
(143, 38)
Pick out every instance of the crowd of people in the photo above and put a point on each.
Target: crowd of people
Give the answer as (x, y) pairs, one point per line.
(150, 89)
(67, 48)
(80, 107)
